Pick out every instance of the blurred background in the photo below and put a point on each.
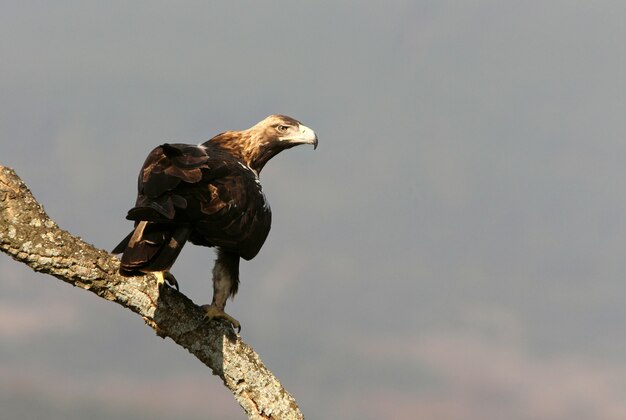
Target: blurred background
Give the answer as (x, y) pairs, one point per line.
(454, 249)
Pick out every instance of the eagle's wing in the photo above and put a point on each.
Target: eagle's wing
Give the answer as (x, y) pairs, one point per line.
(168, 171)
(162, 225)
(217, 200)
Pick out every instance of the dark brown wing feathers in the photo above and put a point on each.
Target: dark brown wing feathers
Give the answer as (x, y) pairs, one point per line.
(153, 247)
(199, 193)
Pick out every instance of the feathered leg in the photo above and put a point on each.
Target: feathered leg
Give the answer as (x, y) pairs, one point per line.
(225, 284)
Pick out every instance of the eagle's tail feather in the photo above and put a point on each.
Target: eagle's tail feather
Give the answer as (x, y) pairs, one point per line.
(151, 247)
(122, 245)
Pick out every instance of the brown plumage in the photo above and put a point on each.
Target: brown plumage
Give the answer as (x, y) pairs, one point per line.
(210, 195)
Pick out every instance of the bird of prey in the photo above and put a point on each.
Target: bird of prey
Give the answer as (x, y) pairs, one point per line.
(209, 195)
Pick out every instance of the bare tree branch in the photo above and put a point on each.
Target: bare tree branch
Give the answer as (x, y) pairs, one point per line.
(28, 235)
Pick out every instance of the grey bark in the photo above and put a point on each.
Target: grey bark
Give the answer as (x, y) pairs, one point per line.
(28, 235)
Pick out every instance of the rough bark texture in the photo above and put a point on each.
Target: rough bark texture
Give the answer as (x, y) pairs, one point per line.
(28, 235)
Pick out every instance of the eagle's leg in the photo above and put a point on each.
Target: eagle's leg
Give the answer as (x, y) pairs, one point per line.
(225, 284)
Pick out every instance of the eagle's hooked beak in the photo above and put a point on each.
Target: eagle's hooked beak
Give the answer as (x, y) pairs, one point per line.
(308, 136)
(304, 136)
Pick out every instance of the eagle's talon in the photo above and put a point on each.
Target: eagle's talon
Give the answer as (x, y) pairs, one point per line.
(212, 312)
(171, 280)
(165, 276)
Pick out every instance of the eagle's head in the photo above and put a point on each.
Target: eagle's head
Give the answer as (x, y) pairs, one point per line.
(282, 132)
(261, 142)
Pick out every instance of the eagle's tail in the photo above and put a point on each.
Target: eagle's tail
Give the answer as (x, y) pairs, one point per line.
(151, 247)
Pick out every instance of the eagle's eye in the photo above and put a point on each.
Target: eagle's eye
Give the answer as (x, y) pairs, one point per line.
(282, 128)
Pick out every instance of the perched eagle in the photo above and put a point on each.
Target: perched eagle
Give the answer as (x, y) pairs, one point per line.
(210, 195)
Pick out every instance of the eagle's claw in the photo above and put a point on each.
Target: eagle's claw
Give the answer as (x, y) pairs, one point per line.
(212, 312)
(171, 280)
(163, 276)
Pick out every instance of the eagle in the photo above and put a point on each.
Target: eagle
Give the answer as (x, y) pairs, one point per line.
(210, 195)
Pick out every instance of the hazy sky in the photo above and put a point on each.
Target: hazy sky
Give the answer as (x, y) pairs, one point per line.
(454, 249)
